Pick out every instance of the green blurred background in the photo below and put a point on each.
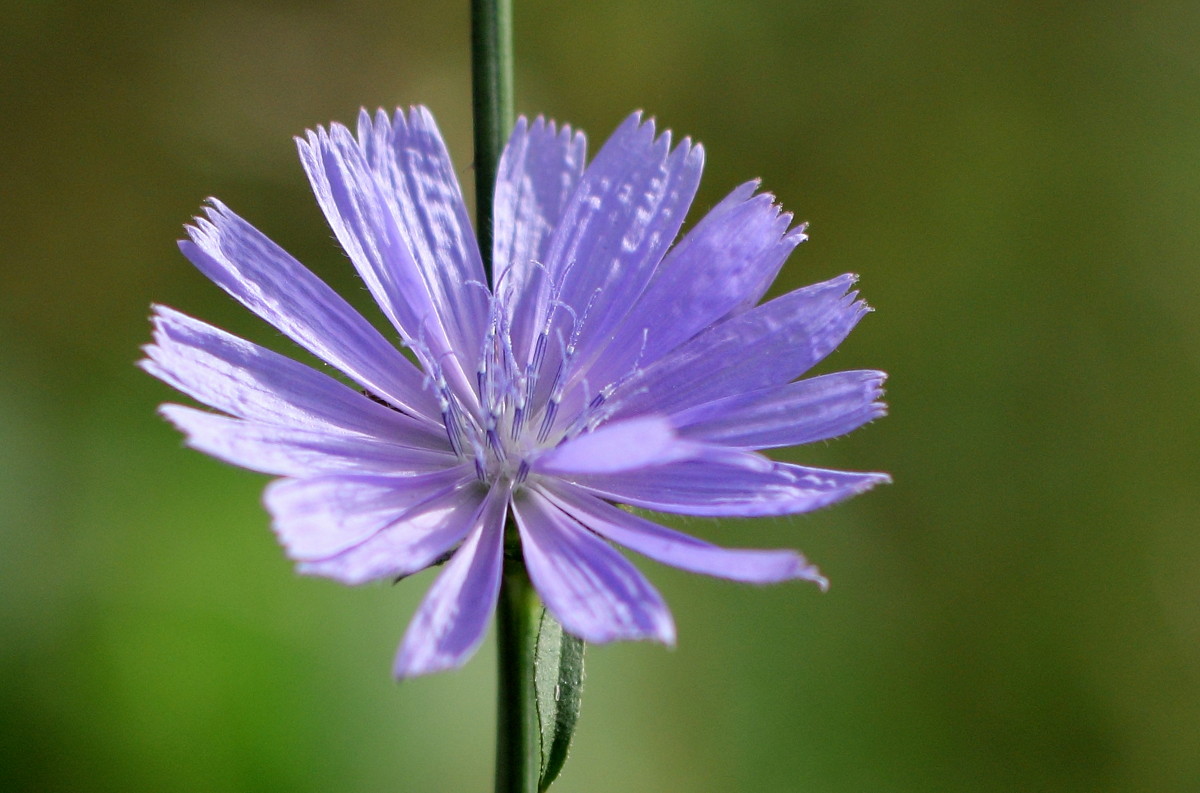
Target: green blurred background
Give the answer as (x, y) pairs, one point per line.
(1017, 185)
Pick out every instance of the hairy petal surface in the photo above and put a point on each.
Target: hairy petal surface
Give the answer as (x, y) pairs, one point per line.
(768, 345)
(809, 410)
(321, 517)
(591, 589)
(750, 487)
(740, 244)
(409, 160)
(680, 550)
(452, 620)
(287, 451)
(268, 281)
(252, 382)
(363, 221)
(538, 173)
(626, 211)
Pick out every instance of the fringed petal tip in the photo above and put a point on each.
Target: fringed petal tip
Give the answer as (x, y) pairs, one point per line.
(206, 226)
(798, 233)
(637, 123)
(874, 478)
(541, 125)
(876, 391)
(415, 116)
(807, 571)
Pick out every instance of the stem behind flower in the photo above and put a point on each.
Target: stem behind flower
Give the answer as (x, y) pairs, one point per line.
(518, 736)
(492, 95)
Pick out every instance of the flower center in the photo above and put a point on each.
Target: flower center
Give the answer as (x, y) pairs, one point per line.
(519, 410)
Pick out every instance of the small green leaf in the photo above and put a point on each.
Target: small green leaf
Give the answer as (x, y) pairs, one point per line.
(558, 660)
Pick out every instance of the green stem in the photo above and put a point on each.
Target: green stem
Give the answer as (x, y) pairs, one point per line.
(518, 736)
(492, 99)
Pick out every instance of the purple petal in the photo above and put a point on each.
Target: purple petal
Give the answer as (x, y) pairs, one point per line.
(771, 344)
(733, 252)
(413, 542)
(624, 214)
(287, 451)
(539, 170)
(453, 618)
(410, 162)
(252, 382)
(269, 282)
(363, 222)
(619, 446)
(723, 487)
(327, 516)
(591, 589)
(680, 550)
(802, 412)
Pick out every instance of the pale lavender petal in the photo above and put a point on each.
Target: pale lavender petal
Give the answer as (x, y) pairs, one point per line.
(252, 382)
(591, 589)
(681, 550)
(268, 281)
(363, 222)
(724, 488)
(323, 516)
(740, 244)
(624, 214)
(768, 345)
(288, 451)
(619, 446)
(410, 161)
(809, 410)
(454, 616)
(539, 169)
(416, 540)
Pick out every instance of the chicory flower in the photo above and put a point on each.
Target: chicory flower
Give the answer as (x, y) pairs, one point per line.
(601, 365)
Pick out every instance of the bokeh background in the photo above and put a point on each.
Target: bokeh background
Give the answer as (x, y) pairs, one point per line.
(1016, 183)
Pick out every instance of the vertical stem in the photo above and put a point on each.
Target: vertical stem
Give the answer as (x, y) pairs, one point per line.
(492, 99)
(518, 736)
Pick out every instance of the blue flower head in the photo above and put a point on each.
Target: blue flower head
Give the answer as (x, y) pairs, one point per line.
(601, 365)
